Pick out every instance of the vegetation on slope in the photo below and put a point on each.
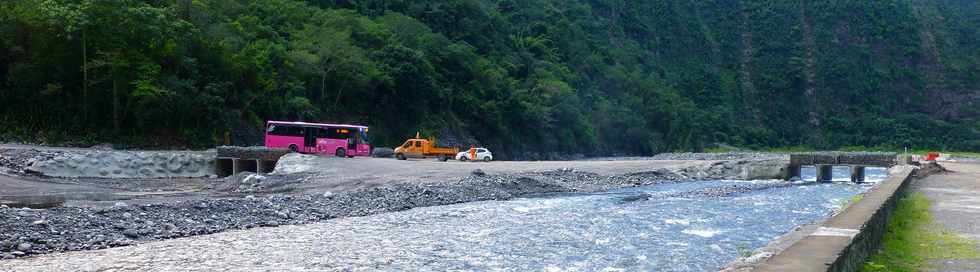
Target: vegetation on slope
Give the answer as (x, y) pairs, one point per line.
(521, 77)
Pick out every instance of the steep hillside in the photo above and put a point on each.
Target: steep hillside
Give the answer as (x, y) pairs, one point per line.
(526, 78)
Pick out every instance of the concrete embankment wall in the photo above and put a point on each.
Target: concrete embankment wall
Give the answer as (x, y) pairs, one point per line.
(845, 241)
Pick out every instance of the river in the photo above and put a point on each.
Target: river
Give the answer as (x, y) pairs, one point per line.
(670, 227)
(685, 226)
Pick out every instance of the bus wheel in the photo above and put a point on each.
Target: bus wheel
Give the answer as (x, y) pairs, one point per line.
(341, 152)
(293, 148)
(400, 156)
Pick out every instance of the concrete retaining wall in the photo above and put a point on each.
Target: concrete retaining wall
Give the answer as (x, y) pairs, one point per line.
(845, 241)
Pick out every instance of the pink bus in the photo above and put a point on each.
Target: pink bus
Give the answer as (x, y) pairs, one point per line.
(315, 138)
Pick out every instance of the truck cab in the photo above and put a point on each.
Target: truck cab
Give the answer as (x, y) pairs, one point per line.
(413, 148)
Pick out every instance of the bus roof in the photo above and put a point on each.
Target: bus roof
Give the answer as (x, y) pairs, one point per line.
(314, 124)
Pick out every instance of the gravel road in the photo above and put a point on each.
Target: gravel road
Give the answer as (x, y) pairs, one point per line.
(955, 200)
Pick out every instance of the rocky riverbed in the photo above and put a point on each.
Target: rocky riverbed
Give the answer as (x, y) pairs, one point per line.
(302, 189)
(17, 161)
(37, 231)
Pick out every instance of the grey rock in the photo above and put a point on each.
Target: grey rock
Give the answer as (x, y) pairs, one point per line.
(24, 247)
(634, 198)
(131, 233)
(478, 172)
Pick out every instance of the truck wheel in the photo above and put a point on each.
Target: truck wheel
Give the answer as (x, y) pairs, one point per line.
(443, 158)
(293, 148)
(400, 156)
(341, 152)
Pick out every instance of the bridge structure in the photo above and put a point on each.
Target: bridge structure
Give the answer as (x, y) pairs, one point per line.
(232, 160)
(825, 161)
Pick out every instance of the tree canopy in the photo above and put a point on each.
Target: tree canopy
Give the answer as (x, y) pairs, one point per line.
(525, 78)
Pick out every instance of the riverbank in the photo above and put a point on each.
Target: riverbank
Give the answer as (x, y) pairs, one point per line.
(673, 226)
(307, 189)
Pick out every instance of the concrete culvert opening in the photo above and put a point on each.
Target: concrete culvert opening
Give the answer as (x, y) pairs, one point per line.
(223, 167)
(245, 166)
(266, 166)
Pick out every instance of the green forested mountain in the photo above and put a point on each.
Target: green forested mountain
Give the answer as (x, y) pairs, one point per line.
(519, 76)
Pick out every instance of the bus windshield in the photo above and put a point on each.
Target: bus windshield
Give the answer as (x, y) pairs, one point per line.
(364, 137)
(318, 138)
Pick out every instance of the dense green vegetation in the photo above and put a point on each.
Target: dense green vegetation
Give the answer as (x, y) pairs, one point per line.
(543, 76)
(913, 239)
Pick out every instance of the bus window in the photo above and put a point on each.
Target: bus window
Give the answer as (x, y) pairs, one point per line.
(322, 133)
(285, 130)
(418, 143)
(338, 133)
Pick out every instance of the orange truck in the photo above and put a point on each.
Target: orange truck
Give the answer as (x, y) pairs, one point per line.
(424, 148)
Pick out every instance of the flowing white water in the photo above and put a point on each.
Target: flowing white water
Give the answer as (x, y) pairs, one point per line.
(669, 227)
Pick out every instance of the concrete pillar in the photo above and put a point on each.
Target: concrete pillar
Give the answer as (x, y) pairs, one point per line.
(825, 172)
(793, 170)
(259, 167)
(236, 166)
(857, 173)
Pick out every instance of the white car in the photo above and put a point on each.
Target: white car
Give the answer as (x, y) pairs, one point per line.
(482, 154)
